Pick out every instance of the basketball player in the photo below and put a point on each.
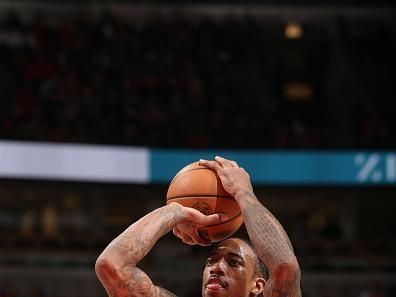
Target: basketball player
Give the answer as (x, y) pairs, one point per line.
(234, 267)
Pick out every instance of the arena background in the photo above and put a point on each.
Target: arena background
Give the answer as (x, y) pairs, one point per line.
(101, 102)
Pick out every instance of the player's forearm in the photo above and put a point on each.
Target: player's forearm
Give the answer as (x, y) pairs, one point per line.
(139, 238)
(116, 266)
(266, 233)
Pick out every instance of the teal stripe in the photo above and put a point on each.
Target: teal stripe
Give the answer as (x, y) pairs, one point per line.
(288, 167)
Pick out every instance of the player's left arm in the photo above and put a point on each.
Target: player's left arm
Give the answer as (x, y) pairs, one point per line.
(266, 233)
(273, 247)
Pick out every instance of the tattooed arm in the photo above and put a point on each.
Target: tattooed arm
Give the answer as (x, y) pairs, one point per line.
(266, 233)
(273, 247)
(116, 266)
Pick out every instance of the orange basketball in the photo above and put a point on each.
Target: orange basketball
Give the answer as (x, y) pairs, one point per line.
(199, 187)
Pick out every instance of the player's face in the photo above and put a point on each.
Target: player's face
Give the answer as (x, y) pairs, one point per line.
(229, 270)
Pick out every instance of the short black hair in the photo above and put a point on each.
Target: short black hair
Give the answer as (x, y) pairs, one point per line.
(260, 267)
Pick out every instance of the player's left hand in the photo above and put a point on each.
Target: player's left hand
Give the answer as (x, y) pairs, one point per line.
(235, 179)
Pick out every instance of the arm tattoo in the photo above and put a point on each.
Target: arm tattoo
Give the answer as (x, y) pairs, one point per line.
(266, 233)
(116, 267)
(283, 287)
(130, 282)
(136, 241)
(273, 247)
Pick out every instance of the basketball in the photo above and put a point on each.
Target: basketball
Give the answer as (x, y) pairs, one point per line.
(199, 187)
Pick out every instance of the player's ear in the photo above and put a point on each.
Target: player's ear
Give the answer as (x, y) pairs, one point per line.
(258, 287)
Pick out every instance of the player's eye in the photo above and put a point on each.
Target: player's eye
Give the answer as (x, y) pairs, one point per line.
(235, 262)
(209, 262)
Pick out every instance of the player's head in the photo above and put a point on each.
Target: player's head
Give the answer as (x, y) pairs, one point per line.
(233, 269)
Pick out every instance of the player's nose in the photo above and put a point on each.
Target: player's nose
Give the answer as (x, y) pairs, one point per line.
(218, 267)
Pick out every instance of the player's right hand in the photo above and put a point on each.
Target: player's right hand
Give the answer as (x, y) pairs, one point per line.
(192, 220)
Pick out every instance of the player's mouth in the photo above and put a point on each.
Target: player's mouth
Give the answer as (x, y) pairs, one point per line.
(215, 283)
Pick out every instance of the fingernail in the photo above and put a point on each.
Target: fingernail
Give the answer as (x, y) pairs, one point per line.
(223, 217)
(202, 160)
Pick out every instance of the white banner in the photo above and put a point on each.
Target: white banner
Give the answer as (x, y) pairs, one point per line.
(97, 163)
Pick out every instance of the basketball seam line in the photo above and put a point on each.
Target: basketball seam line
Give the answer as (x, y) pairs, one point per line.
(178, 175)
(237, 215)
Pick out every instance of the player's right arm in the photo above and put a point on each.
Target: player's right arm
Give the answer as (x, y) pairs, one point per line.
(116, 266)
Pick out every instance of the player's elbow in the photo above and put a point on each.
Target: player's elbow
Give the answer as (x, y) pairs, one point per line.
(104, 267)
(100, 264)
(288, 271)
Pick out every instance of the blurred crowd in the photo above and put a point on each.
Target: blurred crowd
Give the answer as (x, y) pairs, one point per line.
(190, 83)
(173, 82)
